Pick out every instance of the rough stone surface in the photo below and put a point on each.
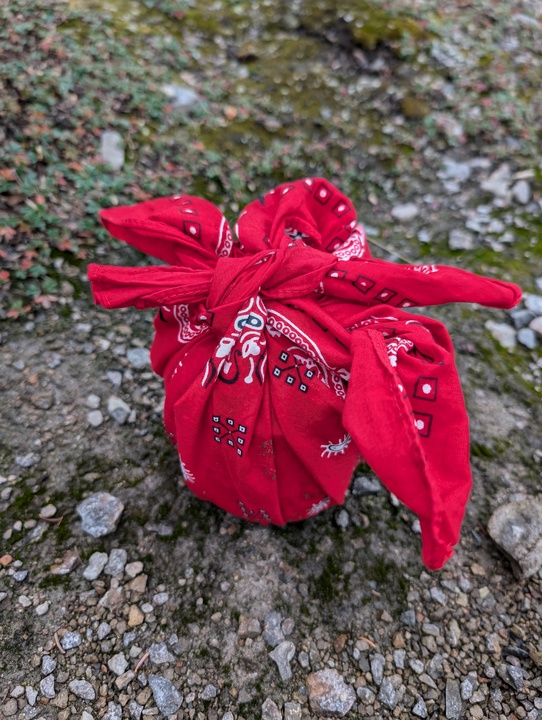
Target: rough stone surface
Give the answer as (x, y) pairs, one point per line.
(460, 240)
(96, 564)
(117, 663)
(454, 706)
(405, 213)
(270, 710)
(272, 628)
(118, 409)
(166, 696)
(282, 655)
(83, 689)
(503, 333)
(100, 514)
(116, 563)
(329, 695)
(516, 527)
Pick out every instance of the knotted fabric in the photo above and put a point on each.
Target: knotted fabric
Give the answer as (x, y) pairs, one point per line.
(290, 356)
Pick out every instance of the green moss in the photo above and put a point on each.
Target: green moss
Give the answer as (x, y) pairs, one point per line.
(53, 581)
(23, 500)
(326, 585)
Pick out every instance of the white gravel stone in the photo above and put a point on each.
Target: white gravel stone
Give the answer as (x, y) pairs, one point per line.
(95, 418)
(103, 630)
(527, 337)
(159, 654)
(117, 562)
(272, 628)
(48, 511)
(48, 664)
(533, 303)
(270, 710)
(93, 401)
(133, 569)
(536, 325)
(96, 564)
(329, 695)
(71, 640)
(31, 695)
(26, 461)
(25, 601)
(118, 409)
(139, 358)
(100, 514)
(460, 240)
(182, 98)
(405, 212)
(112, 149)
(283, 655)
(522, 192)
(47, 687)
(42, 608)
(516, 527)
(160, 598)
(166, 696)
(117, 663)
(82, 689)
(504, 334)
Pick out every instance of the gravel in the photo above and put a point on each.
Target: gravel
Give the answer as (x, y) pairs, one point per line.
(516, 527)
(329, 695)
(83, 689)
(100, 514)
(96, 564)
(282, 655)
(166, 696)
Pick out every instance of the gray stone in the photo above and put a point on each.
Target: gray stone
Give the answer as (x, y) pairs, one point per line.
(527, 337)
(112, 149)
(292, 711)
(329, 695)
(366, 486)
(20, 575)
(209, 692)
(522, 192)
(117, 663)
(420, 709)
(516, 528)
(521, 317)
(405, 212)
(460, 240)
(139, 358)
(377, 662)
(71, 640)
(366, 695)
(249, 627)
(342, 519)
(134, 710)
(182, 98)
(503, 334)
(536, 325)
(93, 401)
(399, 659)
(115, 377)
(454, 706)
(103, 630)
(47, 687)
(96, 564)
(83, 689)
(117, 562)
(26, 461)
(159, 654)
(408, 618)
(31, 695)
(118, 409)
(438, 596)
(272, 628)
(95, 418)
(166, 696)
(42, 608)
(498, 182)
(468, 686)
(288, 626)
(457, 171)
(387, 693)
(516, 676)
(533, 303)
(100, 514)
(270, 710)
(283, 655)
(114, 712)
(48, 664)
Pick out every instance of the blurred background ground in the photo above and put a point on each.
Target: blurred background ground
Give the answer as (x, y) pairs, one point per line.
(428, 116)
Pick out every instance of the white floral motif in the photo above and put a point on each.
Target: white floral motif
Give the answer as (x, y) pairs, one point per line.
(337, 448)
(354, 247)
(396, 344)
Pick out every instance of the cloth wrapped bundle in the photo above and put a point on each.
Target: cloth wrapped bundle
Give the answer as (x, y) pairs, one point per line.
(288, 357)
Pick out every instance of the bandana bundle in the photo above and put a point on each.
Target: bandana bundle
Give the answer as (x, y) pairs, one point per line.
(290, 356)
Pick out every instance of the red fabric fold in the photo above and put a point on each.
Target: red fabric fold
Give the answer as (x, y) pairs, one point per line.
(290, 356)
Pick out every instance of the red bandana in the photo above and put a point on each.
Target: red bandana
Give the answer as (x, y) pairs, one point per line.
(288, 358)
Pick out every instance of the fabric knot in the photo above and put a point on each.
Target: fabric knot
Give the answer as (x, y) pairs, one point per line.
(292, 270)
